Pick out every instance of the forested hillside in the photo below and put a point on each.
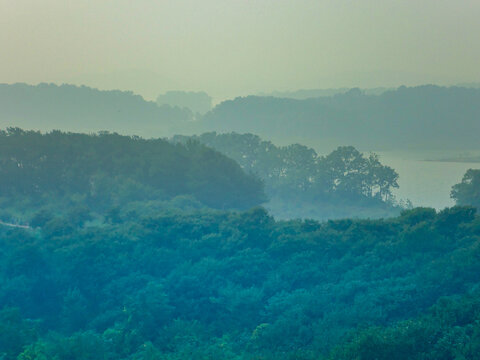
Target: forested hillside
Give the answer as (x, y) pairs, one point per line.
(108, 170)
(302, 184)
(111, 248)
(424, 117)
(449, 330)
(239, 180)
(80, 108)
(224, 285)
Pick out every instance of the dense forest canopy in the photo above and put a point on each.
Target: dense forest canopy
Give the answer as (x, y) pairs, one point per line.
(239, 180)
(110, 249)
(423, 117)
(301, 183)
(105, 167)
(223, 285)
(120, 247)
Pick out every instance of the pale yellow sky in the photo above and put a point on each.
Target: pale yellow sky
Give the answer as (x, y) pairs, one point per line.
(234, 47)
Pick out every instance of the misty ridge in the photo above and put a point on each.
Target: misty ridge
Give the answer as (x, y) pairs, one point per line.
(239, 180)
(423, 117)
(83, 109)
(303, 94)
(232, 235)
(416, 119)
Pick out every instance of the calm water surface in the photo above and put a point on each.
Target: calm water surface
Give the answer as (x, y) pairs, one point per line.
(426, 183)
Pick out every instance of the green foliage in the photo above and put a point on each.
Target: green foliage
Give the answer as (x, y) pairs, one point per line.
(204, 284)
(15, 332)
(110, 170)
(467, 192)
(125, 258)
(417, 215)
(301, 183)
(450, 330)
(449, 219)
(41, 218)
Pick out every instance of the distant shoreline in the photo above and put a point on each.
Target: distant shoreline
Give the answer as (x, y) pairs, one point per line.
(456, 160)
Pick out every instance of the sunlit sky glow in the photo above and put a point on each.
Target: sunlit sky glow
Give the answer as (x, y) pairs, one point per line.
(236, 47)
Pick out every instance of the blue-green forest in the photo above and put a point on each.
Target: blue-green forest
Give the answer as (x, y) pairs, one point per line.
(120, 247)
(239, 180)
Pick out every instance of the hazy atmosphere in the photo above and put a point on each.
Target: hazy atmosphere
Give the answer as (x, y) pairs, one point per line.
(239, 47)
(239, 180)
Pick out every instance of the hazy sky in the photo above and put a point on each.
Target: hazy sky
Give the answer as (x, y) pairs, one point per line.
(234, 47)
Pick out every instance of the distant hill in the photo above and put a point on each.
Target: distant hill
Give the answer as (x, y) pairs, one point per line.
(423, 117)
(314, 93)
(197, 102)
(414, 118)
(84, 109)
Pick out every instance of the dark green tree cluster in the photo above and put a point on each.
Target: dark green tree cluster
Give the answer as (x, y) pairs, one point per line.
(302, 183)
(207, 284)
(450, 330)
(467, 192)
(106, 170)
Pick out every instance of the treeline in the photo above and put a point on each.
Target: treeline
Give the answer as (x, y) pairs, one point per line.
(449, 330)
(302, 184)
(107, 170)
(225, 285)
(423, 117)
(303, 94)
(467, 192)
(82, 109)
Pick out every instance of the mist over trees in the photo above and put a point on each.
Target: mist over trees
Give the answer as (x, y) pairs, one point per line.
(205, 182)
(298, 168)
(198, 102)
(80, 108)
(315, 93)
(111, 248)
(301, 183)
(423, 117)
(120, 247)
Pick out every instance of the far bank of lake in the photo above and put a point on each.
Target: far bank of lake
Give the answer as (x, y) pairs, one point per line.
(426, 178)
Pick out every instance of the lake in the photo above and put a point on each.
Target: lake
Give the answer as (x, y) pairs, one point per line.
(426, 183)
